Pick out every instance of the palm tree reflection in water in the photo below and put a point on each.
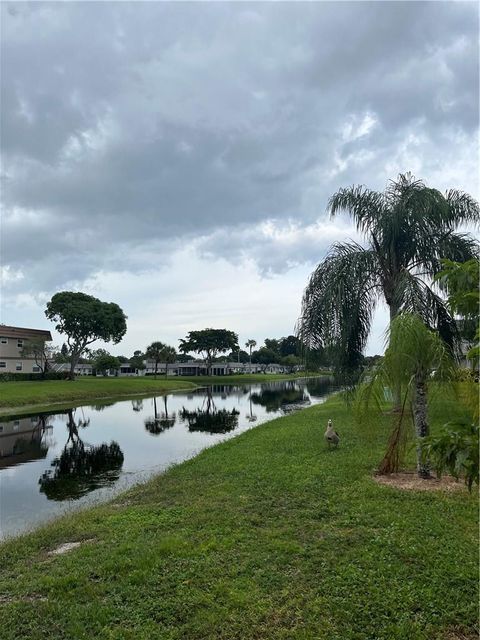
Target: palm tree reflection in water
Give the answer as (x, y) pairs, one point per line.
(159, 422)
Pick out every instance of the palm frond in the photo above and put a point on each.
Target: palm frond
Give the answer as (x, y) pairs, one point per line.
(419, 298)
(462, 208)
(364, 205)
(338, 303)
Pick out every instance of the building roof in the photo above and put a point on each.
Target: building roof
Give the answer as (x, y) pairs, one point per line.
(22, 332)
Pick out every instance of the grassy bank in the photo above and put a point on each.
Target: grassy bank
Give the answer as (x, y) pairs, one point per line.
(269, 535)
(27, 395)
(17, 395)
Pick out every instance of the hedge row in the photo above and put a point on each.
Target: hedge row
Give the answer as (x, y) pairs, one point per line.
(22, 377)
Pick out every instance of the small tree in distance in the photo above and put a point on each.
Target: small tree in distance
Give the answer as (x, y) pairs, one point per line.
(41, 352)
(209, 343)
(154, 352)
(85, 319)
(104, 361)
(160, 352)
(250, 344)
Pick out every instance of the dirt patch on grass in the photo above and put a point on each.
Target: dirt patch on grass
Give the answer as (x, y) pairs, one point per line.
(461, 635)
(411, 482)
(68, 546)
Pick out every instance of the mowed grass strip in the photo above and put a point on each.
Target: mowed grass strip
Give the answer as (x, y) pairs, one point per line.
(269, 535)
(14, 395)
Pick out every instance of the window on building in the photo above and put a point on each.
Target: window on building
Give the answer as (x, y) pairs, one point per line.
(3, 340)
(18, 366)
(1, 428)
(3, 365)
(36, 368)
(19, 343)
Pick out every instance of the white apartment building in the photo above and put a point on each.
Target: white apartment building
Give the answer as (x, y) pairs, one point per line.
(12, 342)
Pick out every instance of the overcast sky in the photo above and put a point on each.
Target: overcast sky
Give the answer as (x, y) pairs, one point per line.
(177, 158)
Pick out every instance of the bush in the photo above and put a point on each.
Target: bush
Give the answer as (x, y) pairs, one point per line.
(28, 377)
(455, 450)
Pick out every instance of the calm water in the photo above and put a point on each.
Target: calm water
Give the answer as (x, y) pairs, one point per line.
(54, 462)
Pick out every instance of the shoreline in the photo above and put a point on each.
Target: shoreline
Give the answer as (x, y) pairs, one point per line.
(187, 383)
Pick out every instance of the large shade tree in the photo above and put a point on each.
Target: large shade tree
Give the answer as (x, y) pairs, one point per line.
(408, 229)
(85, 319)
(209, 343)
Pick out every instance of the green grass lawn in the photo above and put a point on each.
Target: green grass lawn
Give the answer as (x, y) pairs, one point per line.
(267, 536)
(15, 395)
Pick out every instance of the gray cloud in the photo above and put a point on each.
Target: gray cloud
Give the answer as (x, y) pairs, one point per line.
(131, 128)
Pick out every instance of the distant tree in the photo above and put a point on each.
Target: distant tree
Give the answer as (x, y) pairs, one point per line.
(290, 346)
(154, 352)
(250, 344)
(209, 343)
(265, 356)
(370, 361)
(122, 359)
(85, 319)
(136, 362)
(103, 362)
(41, 352)
(169, 356)
(273, 344)
(235, 356)
(160, 352)
(291, 362)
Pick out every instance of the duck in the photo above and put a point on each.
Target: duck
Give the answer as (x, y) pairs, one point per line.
(331, 436)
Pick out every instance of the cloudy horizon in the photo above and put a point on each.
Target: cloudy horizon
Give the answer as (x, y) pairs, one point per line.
(177, 158)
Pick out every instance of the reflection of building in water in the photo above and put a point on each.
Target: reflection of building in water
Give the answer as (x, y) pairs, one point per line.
(22, 440)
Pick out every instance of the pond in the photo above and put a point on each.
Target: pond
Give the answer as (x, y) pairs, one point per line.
(53, 462)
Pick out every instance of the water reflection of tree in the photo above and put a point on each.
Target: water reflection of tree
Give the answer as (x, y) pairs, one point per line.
(160, 422)
(137, 405)
(319, 387)
(208, 418)
(251, 417)
(80, 467)
(274, 398)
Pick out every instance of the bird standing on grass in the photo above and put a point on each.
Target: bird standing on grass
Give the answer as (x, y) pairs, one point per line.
(331, 436)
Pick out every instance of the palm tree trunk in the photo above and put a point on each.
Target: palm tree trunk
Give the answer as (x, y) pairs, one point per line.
(421, 423)
(397, 390)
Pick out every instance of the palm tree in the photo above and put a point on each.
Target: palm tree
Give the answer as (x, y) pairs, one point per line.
(160, 352)
(168, 355)
(154, 352)
(413, 355)
(409, 228)
(250, 344)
